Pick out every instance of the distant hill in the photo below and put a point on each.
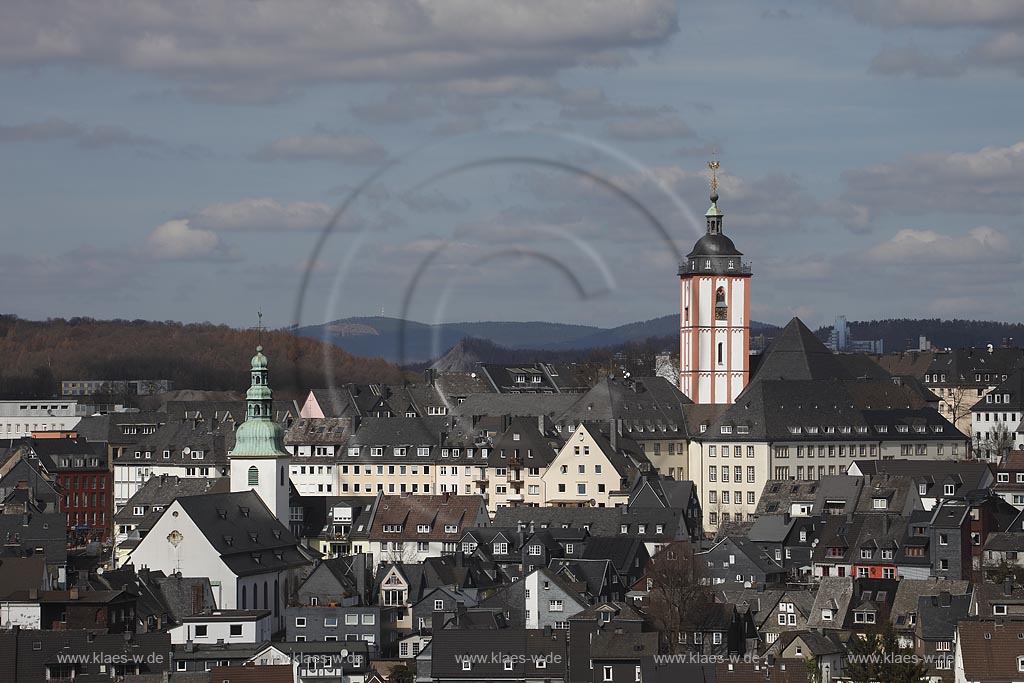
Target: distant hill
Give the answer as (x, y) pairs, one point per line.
(384, 337)
(903, 333)
(36, 355)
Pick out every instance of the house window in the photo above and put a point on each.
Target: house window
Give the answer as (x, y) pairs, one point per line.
(438, 605)
(555, 606)
(607, 673)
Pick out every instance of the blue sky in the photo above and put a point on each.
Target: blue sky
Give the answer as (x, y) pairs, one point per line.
(181, 160)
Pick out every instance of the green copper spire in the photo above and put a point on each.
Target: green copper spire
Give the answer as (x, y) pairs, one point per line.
(259, 435)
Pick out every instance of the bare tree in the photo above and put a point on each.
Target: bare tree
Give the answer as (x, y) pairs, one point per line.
(999, 442)
(678, 600)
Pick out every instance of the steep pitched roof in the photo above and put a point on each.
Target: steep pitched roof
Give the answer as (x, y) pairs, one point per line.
(246, 534)
(796, 354)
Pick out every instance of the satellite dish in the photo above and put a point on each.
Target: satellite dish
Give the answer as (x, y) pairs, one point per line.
(186, 450)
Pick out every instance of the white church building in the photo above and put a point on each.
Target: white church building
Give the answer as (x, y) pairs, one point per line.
(240, 540)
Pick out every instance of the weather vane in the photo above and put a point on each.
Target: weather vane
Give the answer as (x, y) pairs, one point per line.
(259, 327)
(713, 165)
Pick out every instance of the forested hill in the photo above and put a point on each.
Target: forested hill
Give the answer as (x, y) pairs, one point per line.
(36, 355)
(901, 333)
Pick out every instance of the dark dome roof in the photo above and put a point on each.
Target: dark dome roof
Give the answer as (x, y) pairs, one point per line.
(714, 245)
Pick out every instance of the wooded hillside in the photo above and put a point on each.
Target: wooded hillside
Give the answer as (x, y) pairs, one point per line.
(36, 355)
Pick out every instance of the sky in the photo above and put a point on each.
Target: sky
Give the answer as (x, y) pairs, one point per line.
(452, 160)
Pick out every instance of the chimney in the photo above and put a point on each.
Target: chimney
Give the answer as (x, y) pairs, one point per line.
(1007, 586)
(613, 434)
(428, 376)
(540, 424)
(786, 518)
(33, 593)
(73, 594)
(945, 599)
(460, 558)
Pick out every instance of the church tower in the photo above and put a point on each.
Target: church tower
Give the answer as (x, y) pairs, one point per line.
(259, 460)
(714, 316)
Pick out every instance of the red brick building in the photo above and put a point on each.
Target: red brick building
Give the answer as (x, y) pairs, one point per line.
(82, 472)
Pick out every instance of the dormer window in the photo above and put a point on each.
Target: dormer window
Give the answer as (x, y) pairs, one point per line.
(880, 503)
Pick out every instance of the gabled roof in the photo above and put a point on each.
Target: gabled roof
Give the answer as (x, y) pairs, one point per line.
(246, 534)
(910, 591)
(990, 650)
(834, 593)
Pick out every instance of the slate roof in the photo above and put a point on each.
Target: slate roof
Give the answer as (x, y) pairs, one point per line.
(836, 593)
(246, 534)
(599, 521)
(1005, 540)
(1013, 386)
(939, 614)
(648, 407)
(449, 645)
(175, 436)
(595, 575)
(967, 475)
(910, 591)
(771, 528)
(817, 643)
(797, 354)
(32, 651)
(161, 490)
(525, 439)
(779, 495)
(389, 432)
(516, 405)
(311, 431)
(611, 645)
(22, 534)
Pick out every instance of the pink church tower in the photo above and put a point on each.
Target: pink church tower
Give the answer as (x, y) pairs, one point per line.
(714, 316)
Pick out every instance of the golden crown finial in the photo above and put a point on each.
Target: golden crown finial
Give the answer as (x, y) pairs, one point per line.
(713, 165)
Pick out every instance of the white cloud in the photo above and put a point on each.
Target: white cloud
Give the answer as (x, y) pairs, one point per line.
(986, 181)
(323, 145)
(261, 214)
(177, 240)
(977, 246)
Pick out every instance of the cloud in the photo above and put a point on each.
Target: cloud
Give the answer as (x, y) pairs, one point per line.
(1000, 23)
(262, 214)
(980, 245)
(177, 240)
(238, 51)
(55, 128)
(985, 181)
(324, 145)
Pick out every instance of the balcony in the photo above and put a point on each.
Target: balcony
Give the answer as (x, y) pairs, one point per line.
(515, 497)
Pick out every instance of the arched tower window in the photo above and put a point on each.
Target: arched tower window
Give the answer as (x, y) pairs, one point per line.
(721, 308)
(254, 476)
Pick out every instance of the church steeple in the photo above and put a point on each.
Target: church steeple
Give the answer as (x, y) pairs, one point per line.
(714, 215)
(259, 460)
